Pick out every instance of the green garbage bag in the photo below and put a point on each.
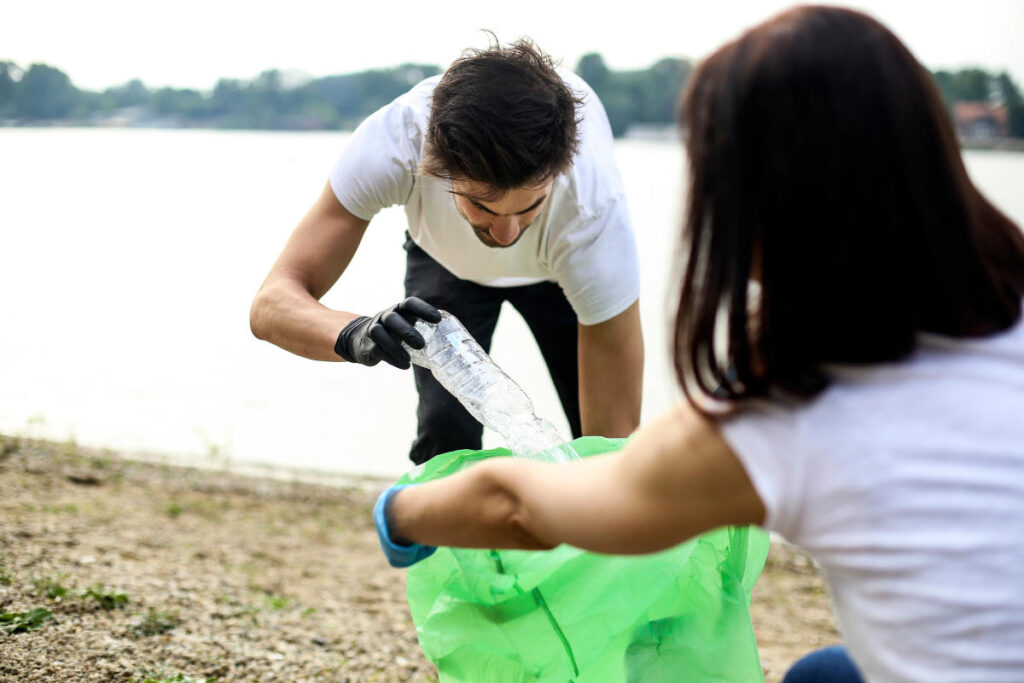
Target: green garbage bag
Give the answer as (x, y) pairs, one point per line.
(569, 615)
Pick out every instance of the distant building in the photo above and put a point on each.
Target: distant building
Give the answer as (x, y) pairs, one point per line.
(654, 131)
(980, 120)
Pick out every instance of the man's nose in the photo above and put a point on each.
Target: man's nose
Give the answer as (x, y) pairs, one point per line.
(505, 229)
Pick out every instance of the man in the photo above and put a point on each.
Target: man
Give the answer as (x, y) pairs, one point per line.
(504, 165)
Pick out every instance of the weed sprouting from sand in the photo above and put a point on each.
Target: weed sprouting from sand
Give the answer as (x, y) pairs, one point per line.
(52, 588)
(106, 599)
(59, 589)
(22, 622)
(277, 602)
(154, 623)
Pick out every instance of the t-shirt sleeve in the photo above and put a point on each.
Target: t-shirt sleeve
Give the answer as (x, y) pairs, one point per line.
(765, 439)
(597, 265)
(377, 168)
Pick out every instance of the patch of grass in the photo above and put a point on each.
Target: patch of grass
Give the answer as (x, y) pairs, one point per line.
(251, 611)
(277, 602)
(154, 623)
(69, 448)
(9, 445)
(204, 507)
(52, 588)
(22, 622)
(6, 578)
(176, 678)
(104, 460)
(106, 599)
(68, 508)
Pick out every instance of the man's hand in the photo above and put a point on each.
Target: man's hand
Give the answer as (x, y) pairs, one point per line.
(370, 340)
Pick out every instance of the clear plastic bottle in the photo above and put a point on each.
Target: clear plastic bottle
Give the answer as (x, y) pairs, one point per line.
(463, 368)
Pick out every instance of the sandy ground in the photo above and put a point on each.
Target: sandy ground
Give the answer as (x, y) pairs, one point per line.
(153, 573)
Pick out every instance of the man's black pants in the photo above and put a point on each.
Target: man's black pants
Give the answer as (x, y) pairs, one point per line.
(443, 424)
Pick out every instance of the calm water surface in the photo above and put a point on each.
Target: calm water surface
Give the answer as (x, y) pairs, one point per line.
(129, 258)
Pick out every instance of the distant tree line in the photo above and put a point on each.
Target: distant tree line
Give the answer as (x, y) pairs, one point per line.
(978, 85)
(42, 94)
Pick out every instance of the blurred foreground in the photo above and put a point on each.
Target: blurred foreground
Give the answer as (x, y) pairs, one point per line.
(116, 570)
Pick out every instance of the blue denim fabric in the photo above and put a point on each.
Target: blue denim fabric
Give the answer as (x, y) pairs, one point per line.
(829, 665)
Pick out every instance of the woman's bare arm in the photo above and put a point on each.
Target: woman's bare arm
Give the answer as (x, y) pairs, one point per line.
(676, 478)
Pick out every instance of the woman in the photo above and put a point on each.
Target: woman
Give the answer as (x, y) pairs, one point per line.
(850, 342)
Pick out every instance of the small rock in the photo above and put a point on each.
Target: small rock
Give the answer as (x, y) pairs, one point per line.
(84, 479)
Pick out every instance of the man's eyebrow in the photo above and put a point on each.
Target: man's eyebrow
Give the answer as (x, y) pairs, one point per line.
(531, 207)
(476, 202)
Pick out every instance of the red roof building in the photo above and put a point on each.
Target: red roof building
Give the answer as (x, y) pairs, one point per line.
(980, 120)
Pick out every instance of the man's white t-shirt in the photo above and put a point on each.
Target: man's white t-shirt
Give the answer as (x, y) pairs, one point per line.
(583, 238)
(906, 483)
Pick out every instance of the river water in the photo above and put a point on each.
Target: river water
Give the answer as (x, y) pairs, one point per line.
(129, 258)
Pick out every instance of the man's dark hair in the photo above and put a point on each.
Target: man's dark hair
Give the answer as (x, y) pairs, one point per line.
(502, 117)
(823, 165)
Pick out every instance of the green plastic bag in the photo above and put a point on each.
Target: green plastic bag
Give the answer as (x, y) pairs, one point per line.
(568, 615)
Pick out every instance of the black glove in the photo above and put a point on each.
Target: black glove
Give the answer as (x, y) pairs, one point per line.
(371, 340)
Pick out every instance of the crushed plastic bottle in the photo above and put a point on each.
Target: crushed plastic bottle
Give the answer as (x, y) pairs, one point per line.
(463, 368)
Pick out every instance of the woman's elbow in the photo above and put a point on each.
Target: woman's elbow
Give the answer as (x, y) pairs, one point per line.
(508, 507)
(257, 316)
(527, 539)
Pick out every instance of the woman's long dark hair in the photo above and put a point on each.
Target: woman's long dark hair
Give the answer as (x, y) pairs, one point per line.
(823, 165)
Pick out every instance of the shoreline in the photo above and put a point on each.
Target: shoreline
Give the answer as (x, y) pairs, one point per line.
(152, 569)
(667, 132)
(259, 470)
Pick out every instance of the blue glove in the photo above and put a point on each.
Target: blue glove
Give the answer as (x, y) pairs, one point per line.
(398, 555)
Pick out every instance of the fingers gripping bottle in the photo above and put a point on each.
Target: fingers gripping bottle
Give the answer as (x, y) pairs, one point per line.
(463, 368)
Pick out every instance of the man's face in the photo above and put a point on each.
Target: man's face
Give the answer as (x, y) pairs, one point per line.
(499, 222)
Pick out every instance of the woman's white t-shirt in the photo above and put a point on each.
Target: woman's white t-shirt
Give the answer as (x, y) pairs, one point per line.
(906, 483)
(583, 239)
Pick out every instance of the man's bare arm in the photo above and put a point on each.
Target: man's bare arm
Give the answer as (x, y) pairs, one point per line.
(287, 311)
(611, 367)
(676, 478)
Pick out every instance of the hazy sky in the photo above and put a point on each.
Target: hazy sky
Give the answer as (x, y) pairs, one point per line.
(192, 43)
